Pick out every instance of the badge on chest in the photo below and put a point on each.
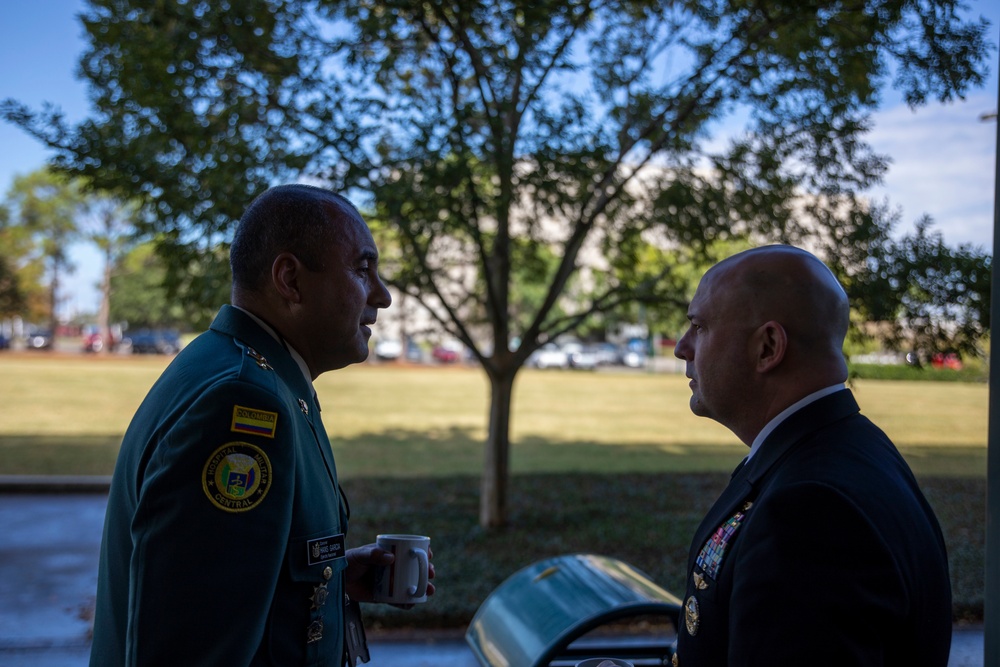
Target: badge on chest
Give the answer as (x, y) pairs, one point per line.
(708, 563)
(714, 550)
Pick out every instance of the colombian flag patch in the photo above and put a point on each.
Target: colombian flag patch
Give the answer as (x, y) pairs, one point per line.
(255, 422)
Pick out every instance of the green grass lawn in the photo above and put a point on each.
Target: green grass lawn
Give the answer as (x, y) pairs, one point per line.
(617, 456)
(66, 415)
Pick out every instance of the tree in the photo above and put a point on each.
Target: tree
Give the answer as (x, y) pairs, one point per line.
(110, 227)
(12, 297)
(141, 300)
(24, 293)
(45, 207)
(490, 135)
(932, 298)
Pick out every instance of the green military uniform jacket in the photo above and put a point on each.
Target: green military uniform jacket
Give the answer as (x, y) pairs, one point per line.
(224, 536)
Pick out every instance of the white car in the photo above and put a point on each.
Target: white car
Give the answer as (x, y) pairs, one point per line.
(580, 356)
(388, 349)
(548, 356)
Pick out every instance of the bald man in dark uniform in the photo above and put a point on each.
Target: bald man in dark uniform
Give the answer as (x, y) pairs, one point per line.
(822, 550)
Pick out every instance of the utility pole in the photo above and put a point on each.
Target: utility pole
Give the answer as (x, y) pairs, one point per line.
(991, 611)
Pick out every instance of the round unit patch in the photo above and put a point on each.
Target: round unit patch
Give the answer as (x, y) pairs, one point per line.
(237, 477)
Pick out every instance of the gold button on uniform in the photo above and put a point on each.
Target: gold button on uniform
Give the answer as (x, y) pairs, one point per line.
(327, 572)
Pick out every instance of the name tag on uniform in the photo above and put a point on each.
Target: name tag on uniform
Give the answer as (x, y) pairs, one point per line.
(323, 549)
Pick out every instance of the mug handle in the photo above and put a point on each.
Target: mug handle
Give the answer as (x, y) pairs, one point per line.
(420, 589)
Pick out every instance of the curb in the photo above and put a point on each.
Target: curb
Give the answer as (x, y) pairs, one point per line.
(55, 483)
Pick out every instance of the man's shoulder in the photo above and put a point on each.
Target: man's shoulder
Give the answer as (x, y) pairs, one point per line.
(853, 442)
(853, 458)
(213, 370)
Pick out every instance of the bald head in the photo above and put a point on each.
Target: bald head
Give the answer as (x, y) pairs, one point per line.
(767, 329)
(790, 286)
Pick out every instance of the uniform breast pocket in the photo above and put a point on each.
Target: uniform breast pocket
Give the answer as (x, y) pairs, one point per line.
(306, 624)
(703, 586)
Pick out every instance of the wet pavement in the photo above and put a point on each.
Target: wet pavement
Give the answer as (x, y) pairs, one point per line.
(48, 578)
(49, 551)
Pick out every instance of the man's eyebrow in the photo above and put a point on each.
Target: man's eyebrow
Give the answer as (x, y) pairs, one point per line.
(369, 254)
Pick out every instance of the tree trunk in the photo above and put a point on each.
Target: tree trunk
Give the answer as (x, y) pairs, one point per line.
(54, 304)
(104, 312)
(493, 496)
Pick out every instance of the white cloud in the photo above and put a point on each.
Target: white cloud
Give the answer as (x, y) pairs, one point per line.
(943, 164)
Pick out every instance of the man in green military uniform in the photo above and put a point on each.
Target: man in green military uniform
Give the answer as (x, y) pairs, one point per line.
(224, 541)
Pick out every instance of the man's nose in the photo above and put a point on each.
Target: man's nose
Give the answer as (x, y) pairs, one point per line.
(381, 298)
(680, 350)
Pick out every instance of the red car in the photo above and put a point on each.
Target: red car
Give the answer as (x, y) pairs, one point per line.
(94, 342)
(949, 361)
(445, 355)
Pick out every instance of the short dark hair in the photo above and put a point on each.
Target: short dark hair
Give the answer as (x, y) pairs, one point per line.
(285, 218)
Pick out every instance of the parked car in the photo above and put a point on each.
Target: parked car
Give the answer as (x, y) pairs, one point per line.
(607, 354)
(549, 355)
(951, 361)
(388, 349)
(446, 355)
(634, 353)
(580, 356)
(93, 341)
(414, 351)
(40, 339)
(153, 341)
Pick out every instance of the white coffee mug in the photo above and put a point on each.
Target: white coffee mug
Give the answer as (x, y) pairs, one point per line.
(405, 581)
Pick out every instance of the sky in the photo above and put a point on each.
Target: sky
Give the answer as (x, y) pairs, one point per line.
(943, 156)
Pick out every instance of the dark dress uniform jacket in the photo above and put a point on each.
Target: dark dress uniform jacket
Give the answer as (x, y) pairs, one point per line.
(821, 551)
(223, 537)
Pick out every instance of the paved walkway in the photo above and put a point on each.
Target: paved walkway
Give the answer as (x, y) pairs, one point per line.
(48, 577)
(49, 550)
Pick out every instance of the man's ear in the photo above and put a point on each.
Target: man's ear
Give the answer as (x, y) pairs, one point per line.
(286, 270)
(772, 343)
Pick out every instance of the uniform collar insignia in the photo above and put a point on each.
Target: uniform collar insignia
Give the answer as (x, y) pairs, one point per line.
(259, 358)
